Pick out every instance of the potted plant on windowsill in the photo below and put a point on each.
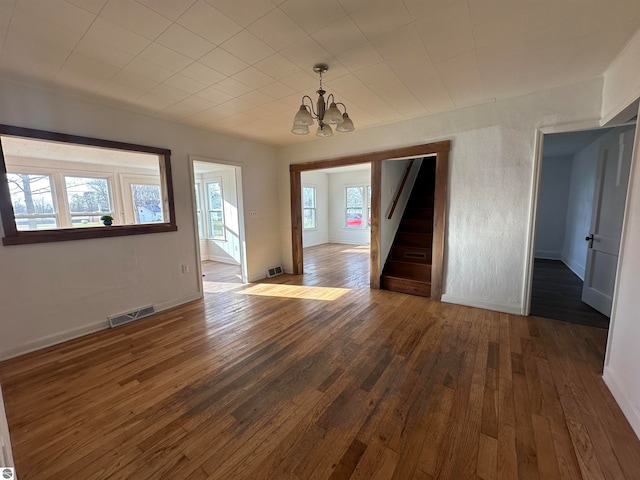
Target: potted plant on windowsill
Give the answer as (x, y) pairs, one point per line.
(107, 219)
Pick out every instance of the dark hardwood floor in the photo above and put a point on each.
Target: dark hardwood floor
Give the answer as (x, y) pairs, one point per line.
(557, 292)
(319, 377)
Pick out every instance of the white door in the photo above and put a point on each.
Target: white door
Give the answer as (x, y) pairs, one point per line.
(606, 223)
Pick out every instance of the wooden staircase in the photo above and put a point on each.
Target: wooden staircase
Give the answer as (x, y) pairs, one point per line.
(408, 267)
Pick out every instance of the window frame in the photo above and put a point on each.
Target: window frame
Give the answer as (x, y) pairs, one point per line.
(314, 208)
(13, 236)
(366, 207)
(210, 233)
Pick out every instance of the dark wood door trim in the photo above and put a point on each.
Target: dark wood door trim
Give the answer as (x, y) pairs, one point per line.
(441, 150)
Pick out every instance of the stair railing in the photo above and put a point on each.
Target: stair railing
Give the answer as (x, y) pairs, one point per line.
(397, 198)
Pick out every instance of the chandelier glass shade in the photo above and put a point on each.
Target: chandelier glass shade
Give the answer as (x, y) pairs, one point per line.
(326, 113)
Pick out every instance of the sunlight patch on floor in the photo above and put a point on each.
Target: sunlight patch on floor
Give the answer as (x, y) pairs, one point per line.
(363, 249)
(295, 291)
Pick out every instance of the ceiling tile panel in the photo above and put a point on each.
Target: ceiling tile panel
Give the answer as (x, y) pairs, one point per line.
(203, 74)
(38, 28)
(500, 28)
(306, 53)
(185, 42)
(31, 58)
(135, 17)
(147, 69)
(172, 9)
(447, 34)
(302, 81)
(91, 6)
(398, 43)
(462, 78)
(277, 66)
(277, 30)
(128, 86)
(256, 98)
(214, 95)
(360, 57)
(86, 73)
(253, 78)
(209, 23)
(278, 90)
(245, 12)
(164, 57)
(57, 12)
(248, 48)
(381, 16)
(340, 36)
(189, 106)
(312, 16)
(90, 47)
(223, 62)
(184, 83)
(113, 35)
(161, 97)
(232, 87)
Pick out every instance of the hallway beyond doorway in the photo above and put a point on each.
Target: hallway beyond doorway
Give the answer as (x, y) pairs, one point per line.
(556, 294)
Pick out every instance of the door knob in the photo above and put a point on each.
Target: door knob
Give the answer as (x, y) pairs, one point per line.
(589, 238)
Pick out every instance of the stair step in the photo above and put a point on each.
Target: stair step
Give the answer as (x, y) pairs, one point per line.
(420, 200)
(423, 213)
(408, 270)
(403, 285)
(410, 239)
(403, 253)
(416, 225)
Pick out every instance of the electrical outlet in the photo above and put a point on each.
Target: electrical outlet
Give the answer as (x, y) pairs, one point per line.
(253, 213)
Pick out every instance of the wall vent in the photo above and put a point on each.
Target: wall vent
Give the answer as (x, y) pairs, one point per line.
(123, 318)
(420, 255)
(273, 271)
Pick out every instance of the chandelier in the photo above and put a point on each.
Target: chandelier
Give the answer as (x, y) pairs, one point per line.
(326, 113)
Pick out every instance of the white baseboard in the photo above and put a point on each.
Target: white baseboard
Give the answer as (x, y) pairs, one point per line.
(218, 258)
(474, 302)
(575, 267)
(632, 414)
(54, 339)
(60, 337)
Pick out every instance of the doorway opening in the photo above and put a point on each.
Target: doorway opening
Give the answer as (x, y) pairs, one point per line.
(336, 222)
(581, 201)
(217, 192)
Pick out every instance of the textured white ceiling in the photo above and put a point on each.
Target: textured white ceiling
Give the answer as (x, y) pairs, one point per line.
(241, 66)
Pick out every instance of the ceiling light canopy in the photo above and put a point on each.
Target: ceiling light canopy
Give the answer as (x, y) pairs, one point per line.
(326, 113)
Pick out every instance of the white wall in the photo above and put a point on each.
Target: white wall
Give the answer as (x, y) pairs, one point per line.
(621, 87)
(392, 173)
(55, 291)
(338, 232)
(553, 197)
(621, 373)
(490, 183)
(319, 235)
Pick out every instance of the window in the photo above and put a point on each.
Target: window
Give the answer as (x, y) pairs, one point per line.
(58, 186)
(216, 211)
(356, 206)
(32, 201)
(309, 208)
(88, 199)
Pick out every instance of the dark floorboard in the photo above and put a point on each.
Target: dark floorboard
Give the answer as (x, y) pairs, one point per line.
(556, 294)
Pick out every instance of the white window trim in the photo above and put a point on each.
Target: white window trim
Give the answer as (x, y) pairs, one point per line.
(365, 206)
(315, 208)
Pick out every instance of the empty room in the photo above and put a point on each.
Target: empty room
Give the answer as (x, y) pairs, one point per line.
(279, 239)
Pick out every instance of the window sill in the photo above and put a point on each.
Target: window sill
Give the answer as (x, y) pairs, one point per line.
(69, 234)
